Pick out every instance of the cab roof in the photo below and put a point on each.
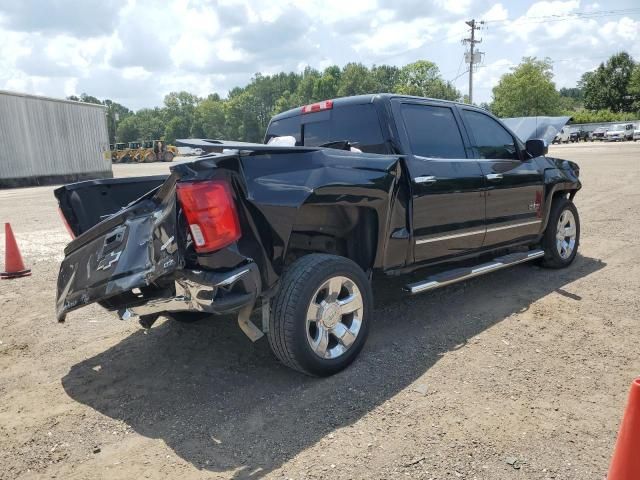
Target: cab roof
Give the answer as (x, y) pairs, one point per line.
(361, 99)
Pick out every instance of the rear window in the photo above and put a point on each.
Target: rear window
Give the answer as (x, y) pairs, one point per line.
(289, 126)
(357, 124)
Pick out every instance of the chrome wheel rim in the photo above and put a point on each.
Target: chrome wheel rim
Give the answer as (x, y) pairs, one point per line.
(566, 234)
(334, 317)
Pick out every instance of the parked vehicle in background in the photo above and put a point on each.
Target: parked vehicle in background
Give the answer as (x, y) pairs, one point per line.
(583, 135)
(373, 185)
(562, 136)
(598, 133)
(620, 133)
(636, 133)
(573, 136)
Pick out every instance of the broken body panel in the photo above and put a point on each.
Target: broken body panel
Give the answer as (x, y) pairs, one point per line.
(142, 253)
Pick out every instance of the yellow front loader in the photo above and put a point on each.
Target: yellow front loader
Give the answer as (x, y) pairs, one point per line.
(157, 151)
(120, 153)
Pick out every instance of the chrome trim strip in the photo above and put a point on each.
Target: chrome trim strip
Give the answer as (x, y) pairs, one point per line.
(505, 227)
(420, 241)
(425, 179)
(497, 264)
(232, 278)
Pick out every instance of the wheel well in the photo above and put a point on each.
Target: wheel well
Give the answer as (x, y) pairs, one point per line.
(564, 194)
(350, 232)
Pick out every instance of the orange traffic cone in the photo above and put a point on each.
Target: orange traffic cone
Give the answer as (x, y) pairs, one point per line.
(13, 264)
(625, 464)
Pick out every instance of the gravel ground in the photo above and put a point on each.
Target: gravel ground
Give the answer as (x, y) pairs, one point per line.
(521, 374)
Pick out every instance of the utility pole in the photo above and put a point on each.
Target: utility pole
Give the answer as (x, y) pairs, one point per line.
(472, 57)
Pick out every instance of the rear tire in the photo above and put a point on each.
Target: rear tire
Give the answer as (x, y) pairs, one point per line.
(562, 235)
(320, 315)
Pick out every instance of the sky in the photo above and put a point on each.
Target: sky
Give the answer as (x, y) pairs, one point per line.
(136, 51)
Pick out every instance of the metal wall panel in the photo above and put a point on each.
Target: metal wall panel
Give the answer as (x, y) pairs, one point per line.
(43, 137)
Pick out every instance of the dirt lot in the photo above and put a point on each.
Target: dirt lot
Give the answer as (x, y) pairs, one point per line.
(525, 366)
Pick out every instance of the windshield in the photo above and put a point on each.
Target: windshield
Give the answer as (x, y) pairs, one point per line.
(617, 128)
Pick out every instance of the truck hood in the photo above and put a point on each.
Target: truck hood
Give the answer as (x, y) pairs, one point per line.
(527, 128)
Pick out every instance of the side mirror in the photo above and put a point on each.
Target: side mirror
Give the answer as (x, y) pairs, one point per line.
(536, 147)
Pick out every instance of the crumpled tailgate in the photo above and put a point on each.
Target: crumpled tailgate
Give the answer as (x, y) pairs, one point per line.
(128, 250)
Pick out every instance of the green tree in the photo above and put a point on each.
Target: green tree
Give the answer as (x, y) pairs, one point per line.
(598, 116)
(287, 101)
(180, 104)
(422, 78)
(209, 119)
(85, 98)
(326, 86)
(115, 113)
(242, 119)
(178, 113)
(574, 92)
(634, 88)
(128, 130)
(151, 125)
(306, 83)
(527, 91)
(385, 78)
(607, 87)
(355, 79)
(177, 127)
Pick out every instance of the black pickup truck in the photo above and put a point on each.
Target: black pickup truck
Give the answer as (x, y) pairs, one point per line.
(368, 185)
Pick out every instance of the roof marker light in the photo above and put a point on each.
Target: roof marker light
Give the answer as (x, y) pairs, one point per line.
(318, 107)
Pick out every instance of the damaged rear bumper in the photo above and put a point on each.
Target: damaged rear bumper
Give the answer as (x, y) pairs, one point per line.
(203, 291)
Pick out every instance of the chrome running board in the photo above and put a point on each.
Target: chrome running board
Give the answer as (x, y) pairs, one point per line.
(459, 274)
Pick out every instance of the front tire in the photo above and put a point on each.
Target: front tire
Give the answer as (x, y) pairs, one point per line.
(320, 316)
(562, 236)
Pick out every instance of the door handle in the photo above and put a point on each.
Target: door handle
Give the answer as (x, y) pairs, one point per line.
(493, 176)
(426, 179)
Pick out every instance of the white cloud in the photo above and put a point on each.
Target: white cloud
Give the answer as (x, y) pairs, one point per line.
(136, 51)
(454, 6)
(397, 37)
(489, 75)
(624, 29)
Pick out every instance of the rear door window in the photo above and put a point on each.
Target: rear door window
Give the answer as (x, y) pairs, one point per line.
(433, 131)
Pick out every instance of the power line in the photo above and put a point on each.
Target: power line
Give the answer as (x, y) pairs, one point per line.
(458, 74)
(576, 15)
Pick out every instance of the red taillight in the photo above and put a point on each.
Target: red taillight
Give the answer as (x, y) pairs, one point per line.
(66, 224)
(318, 107)
(210, 212)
